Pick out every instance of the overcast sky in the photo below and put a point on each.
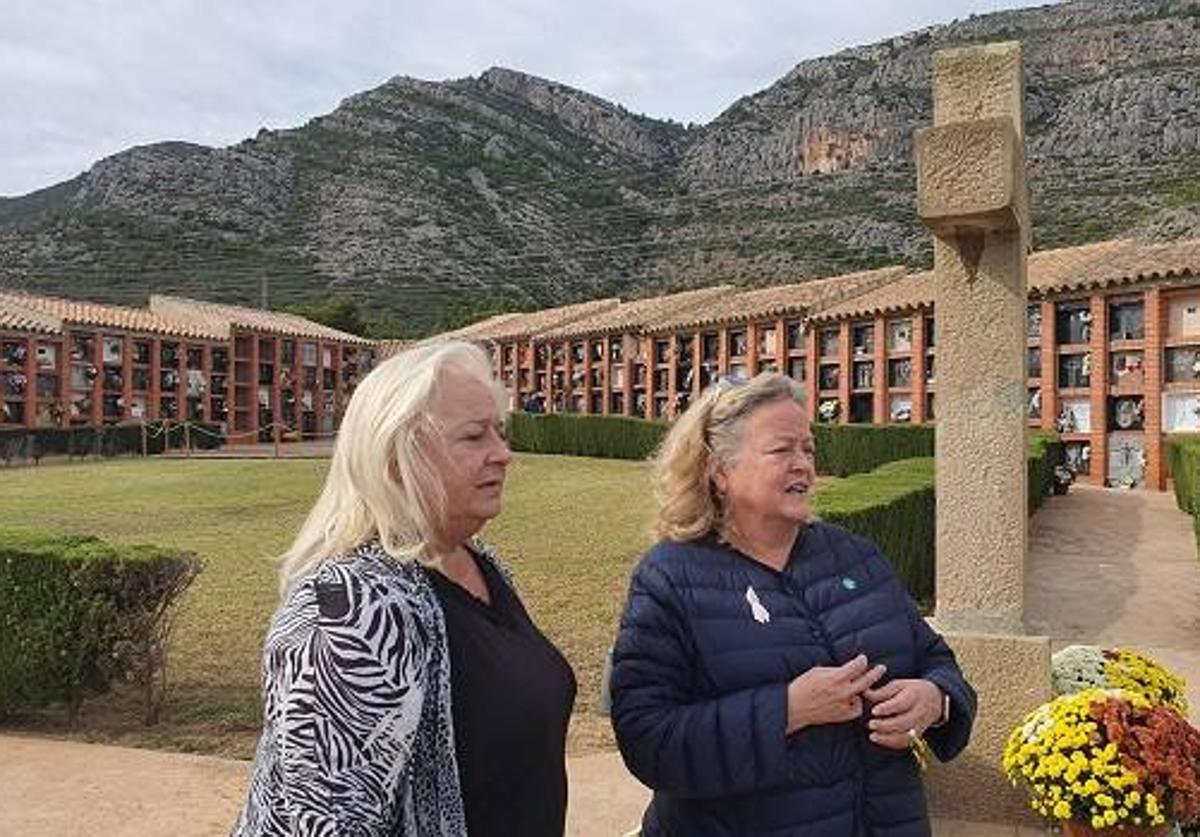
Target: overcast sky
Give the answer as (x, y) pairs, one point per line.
(82, 79)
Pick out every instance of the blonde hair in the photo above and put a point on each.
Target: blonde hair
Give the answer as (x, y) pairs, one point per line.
(382, 483)
(708, 435)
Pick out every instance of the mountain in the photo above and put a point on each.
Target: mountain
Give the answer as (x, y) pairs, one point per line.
(432, 203)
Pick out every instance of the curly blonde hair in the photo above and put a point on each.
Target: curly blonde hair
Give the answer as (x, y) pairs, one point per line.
(708, 435)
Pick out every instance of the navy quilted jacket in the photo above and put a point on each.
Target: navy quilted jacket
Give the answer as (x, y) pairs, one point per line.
(699, 690)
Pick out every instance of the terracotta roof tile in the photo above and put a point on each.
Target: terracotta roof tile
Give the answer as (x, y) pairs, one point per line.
(1108, 263)
(1086, 267)
(522, 326)
(904, 292)
(388, 348)
(98, 315)
(222, 318)
(17, 317)
(638, 314)
(779, 300)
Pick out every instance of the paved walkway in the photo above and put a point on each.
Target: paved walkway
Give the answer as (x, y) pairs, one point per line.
(1114, 567)
(1106, 567)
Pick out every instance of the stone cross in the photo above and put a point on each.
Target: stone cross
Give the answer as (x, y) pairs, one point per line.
(973, 196)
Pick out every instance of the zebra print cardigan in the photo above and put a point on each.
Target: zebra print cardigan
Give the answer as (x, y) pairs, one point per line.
(358, 737)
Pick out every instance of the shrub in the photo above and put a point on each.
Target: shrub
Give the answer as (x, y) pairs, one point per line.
(606, 437)
(845, 449)
(1045, 452)
(19, 444)
(894, 507)
(841, 449)
(1183, 458)
(77, 613)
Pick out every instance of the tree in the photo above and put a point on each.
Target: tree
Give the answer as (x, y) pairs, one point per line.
(338, 312)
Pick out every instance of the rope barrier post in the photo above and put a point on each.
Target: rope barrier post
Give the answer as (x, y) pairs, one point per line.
(275, 437)
(145, 440)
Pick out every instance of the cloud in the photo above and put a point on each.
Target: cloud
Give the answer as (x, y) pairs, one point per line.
(83, 79)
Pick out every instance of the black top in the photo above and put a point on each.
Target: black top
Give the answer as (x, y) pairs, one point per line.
(511, 697)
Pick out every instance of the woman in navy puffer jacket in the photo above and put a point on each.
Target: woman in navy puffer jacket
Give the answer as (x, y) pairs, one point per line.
(771, 675)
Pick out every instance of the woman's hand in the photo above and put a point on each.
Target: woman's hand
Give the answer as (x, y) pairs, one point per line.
(903, 707)
(830, 694)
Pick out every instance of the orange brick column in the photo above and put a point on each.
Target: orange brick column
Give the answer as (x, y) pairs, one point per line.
(672, 373)
(154, 393)
(587, 376)
(812, 367)
(231, 385)
(206, 371)
(845, 372)
(548, 387)
(318, 394)
(628, 346)
(277, 385)
(879, 406)
(1098, 391)
(62, 367)
(648, 384)
(722, 352)
(30, 382)
(127, 377)
(1049, 368)
(752, 332)
(605, 364)
(918, 366)
(781, 346)
(697, 348)
(98, 383)
(1152, 369)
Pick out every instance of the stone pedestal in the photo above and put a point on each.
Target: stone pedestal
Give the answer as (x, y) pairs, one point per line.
(1011, 675)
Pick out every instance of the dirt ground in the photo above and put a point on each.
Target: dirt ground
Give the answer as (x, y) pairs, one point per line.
(1106, 567)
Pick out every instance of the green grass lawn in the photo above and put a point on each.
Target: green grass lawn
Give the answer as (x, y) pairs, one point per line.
(571, 531)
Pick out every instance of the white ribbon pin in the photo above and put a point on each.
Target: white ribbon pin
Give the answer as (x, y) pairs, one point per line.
(760, 613)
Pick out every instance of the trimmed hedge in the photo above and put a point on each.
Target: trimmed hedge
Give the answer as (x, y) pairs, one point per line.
(842, 449)
(1183, 459)
(19, 444)
(845, 449)
(571, 434)
(1045, 452)
(893, 506)
(77, 613)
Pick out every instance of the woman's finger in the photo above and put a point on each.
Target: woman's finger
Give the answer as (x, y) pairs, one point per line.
(902, 701)
(870, 678)
(891, 740)
(887, 690)
(895, 724)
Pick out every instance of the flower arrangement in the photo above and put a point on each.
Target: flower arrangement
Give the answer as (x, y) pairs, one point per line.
(1107, 758)
(1079, 667)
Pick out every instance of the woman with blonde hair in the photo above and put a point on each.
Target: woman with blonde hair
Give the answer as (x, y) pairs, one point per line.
(771, 675)
(407, 691)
